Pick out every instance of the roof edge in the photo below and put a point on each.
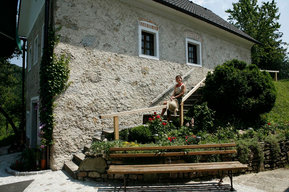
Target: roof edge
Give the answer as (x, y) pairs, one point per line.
(206, 20)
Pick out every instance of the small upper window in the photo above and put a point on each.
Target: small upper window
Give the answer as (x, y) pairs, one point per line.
(193, 52)
(148, 40)
(42, 40)
(29, 58)
(35, 52)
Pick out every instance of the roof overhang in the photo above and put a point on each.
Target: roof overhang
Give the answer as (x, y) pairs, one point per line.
(29, 11)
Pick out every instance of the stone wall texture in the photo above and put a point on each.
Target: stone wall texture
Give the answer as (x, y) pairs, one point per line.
(106, 73)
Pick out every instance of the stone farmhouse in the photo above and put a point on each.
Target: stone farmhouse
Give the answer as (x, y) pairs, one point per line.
(123, 55)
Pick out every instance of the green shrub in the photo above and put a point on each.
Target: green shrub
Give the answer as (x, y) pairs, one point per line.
(203, 117)
(102, 147)
(29, 160)
(243, 151)
(241, 91)
(141, 134)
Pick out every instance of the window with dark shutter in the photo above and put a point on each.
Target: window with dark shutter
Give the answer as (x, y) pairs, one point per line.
(192, 53)
(147, 43)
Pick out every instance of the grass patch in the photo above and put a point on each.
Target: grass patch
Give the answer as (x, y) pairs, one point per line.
(280, 112)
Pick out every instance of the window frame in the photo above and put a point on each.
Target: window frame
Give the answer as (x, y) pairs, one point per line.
(155, 33)
(35, 50)
(29, 58)
(42, 40)
(198, 45)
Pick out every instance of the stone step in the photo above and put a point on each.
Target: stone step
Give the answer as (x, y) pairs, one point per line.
(86, 148)
(78, 158)
(71, 168)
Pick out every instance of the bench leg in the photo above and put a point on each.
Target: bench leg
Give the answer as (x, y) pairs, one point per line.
(124, 181)
(230, 173)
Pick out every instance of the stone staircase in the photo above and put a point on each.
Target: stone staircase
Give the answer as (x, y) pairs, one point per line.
(72, 167)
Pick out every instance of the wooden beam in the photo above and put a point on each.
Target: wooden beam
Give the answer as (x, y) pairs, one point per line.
(132, 111)
(116, 127)
(182, 114)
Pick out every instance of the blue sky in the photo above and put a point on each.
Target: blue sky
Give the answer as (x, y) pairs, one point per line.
(220, 6)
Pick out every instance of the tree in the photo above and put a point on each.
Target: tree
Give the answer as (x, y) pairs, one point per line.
(261, 23)
(239, 91)
(10, 94)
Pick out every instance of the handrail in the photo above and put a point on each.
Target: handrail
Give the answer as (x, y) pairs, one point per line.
(116, 115)
(185, 98)
(193, 90)
(131, 112)
(170, 87)
(272, 71)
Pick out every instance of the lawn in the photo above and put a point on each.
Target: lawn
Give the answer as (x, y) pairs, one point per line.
(280, 112)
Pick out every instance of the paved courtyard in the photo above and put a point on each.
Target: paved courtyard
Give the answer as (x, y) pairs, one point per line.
(59, 181)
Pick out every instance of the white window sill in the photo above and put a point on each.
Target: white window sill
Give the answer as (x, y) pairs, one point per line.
(195, 65)
(149, 57)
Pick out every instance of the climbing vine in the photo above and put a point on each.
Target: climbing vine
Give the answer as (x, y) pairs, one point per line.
(54, 74)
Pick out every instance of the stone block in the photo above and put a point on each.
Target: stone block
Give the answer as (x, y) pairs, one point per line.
(94, 174)
(82, 174)
(97, 164)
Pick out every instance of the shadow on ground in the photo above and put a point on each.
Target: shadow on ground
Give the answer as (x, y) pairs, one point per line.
(15, 187)
(212, 186)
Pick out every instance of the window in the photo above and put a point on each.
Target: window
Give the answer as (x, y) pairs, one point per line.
(193, 52)
(35, 51)
(42, 40)
(147, 43)
(148, 40)
(29, 58)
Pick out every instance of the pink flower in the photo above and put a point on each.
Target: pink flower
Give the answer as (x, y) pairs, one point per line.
(42, 146)
(158, 116)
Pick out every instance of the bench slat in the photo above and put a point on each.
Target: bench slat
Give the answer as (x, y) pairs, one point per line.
(175, 168)
(170, 154)
(173, 147)
(175, 164)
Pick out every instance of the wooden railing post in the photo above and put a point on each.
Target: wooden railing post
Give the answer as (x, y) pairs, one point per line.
(182, 114)
(116, 127)
(276, 76)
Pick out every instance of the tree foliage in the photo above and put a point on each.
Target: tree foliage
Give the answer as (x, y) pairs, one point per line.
(10, 94)
(241, 91)
(261, 23)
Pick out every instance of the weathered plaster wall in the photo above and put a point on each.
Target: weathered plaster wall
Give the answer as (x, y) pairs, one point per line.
(32, 75)
(107, 75)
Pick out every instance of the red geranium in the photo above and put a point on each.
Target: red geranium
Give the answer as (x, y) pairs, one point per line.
(164, 123)
(158, 116)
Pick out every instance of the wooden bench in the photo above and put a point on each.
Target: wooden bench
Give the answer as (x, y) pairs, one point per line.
(226, 167)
